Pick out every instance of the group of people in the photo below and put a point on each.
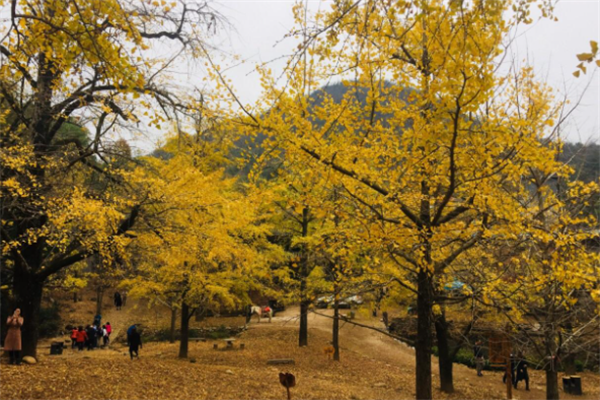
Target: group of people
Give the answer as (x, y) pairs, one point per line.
(119, 299)
(90, 336)
(518, 366)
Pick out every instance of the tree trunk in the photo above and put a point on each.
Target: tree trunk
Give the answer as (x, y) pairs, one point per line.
(99, 297)
(173, 321)
(569, 365)
(423, 342)
(303, 334)
(27, 295)
(569, 359)
(336, 326)
(74, 297)
(185, 331)
(444, 354)
(303, 339)
(551, 383)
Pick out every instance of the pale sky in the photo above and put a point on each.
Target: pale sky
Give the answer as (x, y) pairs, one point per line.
(551, 47)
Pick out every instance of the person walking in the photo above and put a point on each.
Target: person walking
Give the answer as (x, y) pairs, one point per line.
(478, 355)
(118, 300)
(108, 329)
(129, 330)
(135, 343)
(81, 338)
(12, 342)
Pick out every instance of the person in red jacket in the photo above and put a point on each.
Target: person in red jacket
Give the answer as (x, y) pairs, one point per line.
(108, 329)
(81, 338)
(74, 337)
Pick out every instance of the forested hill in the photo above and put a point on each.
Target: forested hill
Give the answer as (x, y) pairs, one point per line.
(584, 158)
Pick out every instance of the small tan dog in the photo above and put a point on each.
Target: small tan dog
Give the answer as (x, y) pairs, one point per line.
(329, 350)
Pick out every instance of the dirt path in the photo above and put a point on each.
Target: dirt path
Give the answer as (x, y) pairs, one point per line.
(377, 346)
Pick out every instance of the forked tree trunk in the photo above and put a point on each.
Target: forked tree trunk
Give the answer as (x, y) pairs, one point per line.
(423, 341)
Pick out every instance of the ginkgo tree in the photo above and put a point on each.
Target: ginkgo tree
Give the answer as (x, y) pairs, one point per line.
(545, 280)
(92, 59)
(429, 137)
(206, 247)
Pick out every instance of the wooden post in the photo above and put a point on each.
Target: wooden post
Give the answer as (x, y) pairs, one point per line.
(509, 377)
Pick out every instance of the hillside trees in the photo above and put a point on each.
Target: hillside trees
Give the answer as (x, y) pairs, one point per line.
(93, 59)
(550, 290)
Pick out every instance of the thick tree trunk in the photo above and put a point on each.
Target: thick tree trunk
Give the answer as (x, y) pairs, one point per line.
(74, 297)
(445, 354)
(185, 331)
(551, 351)
(336, 326)
(423, 342)
(173, 321)
(27, 295)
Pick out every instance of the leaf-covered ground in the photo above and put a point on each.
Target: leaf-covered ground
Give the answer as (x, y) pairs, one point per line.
(372, 367)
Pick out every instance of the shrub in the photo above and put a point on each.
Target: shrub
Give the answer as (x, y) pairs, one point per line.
(50, 323)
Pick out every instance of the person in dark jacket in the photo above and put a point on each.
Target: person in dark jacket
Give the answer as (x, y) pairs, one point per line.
(135, 343)
(129, 330)
(521, 371)
(118, 300)
(91, 337)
